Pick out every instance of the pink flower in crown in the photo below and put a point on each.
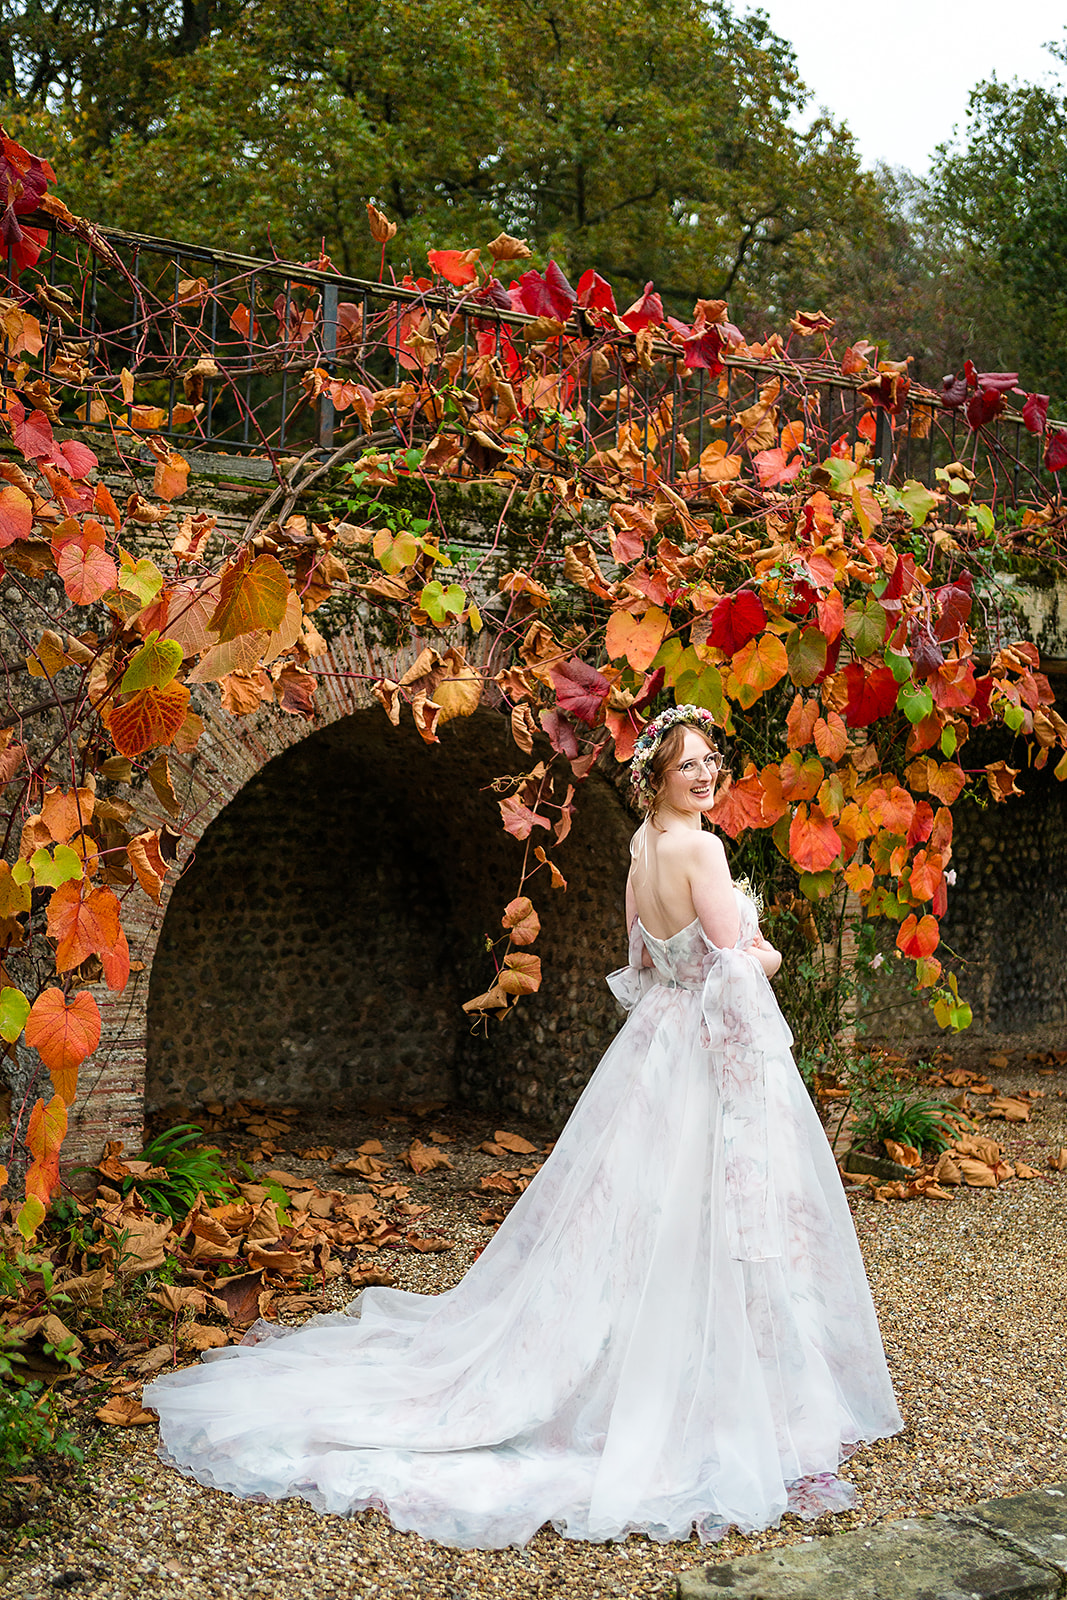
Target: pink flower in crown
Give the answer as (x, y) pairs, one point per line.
(645, 747)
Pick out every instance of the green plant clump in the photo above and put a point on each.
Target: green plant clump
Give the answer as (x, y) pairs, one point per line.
(190, 1169)
(923, 1124)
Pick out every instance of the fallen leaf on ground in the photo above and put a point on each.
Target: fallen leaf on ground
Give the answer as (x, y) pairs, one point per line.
(1009, 1107)
(123, 1411)
(424, 1158)
(199, 1336)
(977, 1174)
(514, 1142)
(430, 1243)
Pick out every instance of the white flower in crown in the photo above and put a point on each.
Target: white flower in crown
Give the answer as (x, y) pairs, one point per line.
(645, 747)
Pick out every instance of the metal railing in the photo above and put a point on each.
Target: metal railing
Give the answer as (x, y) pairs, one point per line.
(228, 353)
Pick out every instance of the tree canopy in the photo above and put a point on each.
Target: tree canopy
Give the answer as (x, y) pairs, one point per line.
(654, 142)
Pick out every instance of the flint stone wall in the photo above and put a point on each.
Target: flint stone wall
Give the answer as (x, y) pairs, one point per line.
(321, 943)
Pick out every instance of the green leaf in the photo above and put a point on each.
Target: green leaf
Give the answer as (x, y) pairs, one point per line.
(22, 872)
(805, 651)
(393, 555)
(983, 515)
(948, 741)
(899, 665)
(1013, 717)
(30, 1217)
(153, 666)
(141, 579)
(701, 688)
(865, 625)
(439, 603)
(14, 1009)
(49, 871)
(839, 471)
(675, 659)
(914, 499)
(816, 885)
(915, 700)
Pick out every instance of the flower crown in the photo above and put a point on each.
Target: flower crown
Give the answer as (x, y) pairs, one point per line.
(645, 747)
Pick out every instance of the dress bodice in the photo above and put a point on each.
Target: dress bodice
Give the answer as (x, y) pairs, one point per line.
(684, 960)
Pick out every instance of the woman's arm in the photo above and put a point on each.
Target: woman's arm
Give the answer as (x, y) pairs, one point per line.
(712, 889)
(768, 957)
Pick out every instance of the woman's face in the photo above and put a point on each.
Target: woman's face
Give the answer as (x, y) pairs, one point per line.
(690, 781)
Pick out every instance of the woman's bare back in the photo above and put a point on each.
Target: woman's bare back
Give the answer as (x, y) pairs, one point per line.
(678, 875)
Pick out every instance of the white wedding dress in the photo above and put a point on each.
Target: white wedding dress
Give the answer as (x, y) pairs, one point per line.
(671, 1330)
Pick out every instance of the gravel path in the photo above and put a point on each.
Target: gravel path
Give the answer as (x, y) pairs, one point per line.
(970, 1294)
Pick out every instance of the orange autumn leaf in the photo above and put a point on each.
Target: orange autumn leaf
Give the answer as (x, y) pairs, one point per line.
(82, 926)
(757, 667)
(520, 974)
(63, 1034)
(521, 921)
(636, 638)
(45, 1133)
(147, 863)
(831, 737)
(65, 812)
(251, 596)
(150, 717)
(814, 844)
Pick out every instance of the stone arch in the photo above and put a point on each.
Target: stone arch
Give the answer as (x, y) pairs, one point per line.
(361, 997)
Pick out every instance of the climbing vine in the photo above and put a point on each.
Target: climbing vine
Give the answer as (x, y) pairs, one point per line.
(769, 567)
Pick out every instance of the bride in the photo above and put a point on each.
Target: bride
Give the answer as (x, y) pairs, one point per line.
(671, 1330)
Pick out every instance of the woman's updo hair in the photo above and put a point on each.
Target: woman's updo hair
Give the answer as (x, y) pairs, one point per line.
(666, 756)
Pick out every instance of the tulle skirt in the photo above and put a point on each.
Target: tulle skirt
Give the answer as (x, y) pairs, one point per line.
(607, 1364)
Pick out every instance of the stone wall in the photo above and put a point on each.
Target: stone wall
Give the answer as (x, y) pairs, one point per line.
(334, 918)
(1005, 934)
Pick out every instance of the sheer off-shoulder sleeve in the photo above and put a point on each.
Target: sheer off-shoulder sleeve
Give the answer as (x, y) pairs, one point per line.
(743, 1027)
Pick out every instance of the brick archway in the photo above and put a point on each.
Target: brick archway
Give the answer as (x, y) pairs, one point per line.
(338, 881)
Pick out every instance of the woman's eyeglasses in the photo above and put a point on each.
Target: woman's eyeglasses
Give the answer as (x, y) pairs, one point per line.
(711, 763)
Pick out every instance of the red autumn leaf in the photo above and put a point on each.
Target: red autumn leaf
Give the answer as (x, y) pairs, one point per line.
(82, 926)
(771, 468)
(952, 685)
(921, 826)
(947, 782)
(455, 266)
(1035, 412)
(648, 309)
(561, 734)
(581, 690)
(801, 780)
(545, 294)
(520, 974)
(1056, 451)
(16, 516)
(918, 939)
(63, 1035)
(595, 293)
(77, 457)
(870, 696)
(151, 716)
(736, 619)
(87, 572)
(985, 404)
(625, 729)
(924, 879)
(519, 820)
(704, 349)
(32, 433)
(814, 844)
(954, 602)
(830, 612)
(45, 1133)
